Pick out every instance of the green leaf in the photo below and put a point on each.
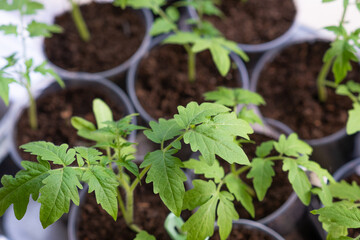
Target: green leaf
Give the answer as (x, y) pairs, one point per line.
(4, 88)
(102, 112)
(232, 46)
(344, 190)
(194, 114)
(239, 189)
(48, 71)
(221, 57)
(262, 172)
(48, 151)
(163, 130)
(353, 123)
(9, 29)
(17, 190)
(131, 167)
(30, 7)
(42, 29)
(81, 124)
(201, 224)
(315, 167)
(250, 116)
(231, 125)
(173, 13)
(167, 177)
(198, 195)
(343, 53)
(60, 187)
(264, 149)
(298, 180)
(143, 235)
(353, 86)
(161, 26)
(200, 166)
(342, 213)
(292, 146)
(211, 141)
(181, 38)
(226, 214)
(104, 183)
(137, 4)
(91, 155)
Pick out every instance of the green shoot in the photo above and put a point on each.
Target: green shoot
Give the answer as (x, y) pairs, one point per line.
(339, 56)
(19, 67)
(203, 37)
(79, 22)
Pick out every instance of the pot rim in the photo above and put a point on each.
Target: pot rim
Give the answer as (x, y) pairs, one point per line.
(260, 226)
(266, 46)
(21, 106)
(148, 21)
(347, 169)
(268, 57)
(132, 77)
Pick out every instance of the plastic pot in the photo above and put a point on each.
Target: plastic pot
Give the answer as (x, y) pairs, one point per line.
(108, 88)
(147, 18)
(266, 46)
(132, 77)
(331, 151)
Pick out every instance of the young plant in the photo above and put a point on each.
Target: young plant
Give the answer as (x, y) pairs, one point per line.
(339, 56)
(200, 39)
(343, 214)
(103, 173)
(19, 67)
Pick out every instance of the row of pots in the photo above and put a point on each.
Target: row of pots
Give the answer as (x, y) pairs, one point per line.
(127, 104)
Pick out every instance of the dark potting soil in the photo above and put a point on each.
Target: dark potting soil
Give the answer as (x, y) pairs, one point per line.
(54, 115)
(288, 84)
(150, 214)
(254, 21)
(163, 83)
(245, 233)
(116, 34)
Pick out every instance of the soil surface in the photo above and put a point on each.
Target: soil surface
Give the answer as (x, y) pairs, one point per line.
(244, 233)
(116, 35)
(54, 114)
(254, 21)
(162, 81)
(150, 214)
(288, 85)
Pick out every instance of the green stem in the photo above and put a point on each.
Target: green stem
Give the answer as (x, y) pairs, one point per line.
(241, 170)
(137, 180)
(191, 66)
(233, 168)
(79, 22)
(321, 80)
(32, 110)
(170, 144)
(191, 54)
